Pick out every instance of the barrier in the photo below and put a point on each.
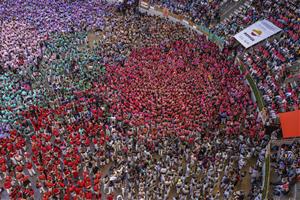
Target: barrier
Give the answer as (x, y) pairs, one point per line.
(266, 173)
(211, 36)
(285, 141)
(255, 93)
(254, 89)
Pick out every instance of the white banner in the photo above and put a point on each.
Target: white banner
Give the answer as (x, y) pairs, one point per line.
(256, 32)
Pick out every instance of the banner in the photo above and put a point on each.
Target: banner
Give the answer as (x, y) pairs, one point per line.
(290, 124)
(256, 32)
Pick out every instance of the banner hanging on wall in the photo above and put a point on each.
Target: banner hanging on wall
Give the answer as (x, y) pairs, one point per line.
(256, 33)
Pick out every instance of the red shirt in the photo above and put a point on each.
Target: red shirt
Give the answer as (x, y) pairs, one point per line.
(29, 166)
(110, 197)
(7, 184)
(88, 195)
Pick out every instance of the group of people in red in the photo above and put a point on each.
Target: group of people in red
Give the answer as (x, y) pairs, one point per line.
(50, 161)
(274, 72)
(181, 88)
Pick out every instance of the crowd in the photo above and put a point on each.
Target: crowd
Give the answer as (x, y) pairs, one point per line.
(279, 54)
(189, 102)
(164, 110)
(141, 86)
(283, 14)
(25, 24)
(286, 164)
(58, 16)
(270, 72)
(205, 12)
(194, 84)
(19, 45)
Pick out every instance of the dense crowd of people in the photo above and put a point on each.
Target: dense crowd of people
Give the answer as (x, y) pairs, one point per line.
(25, 24)
(279, 54)
(97, 104)
(283, 14)
(19, 45)
(285, 159)
(58, 16)
(205, 12)
(270, 71)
